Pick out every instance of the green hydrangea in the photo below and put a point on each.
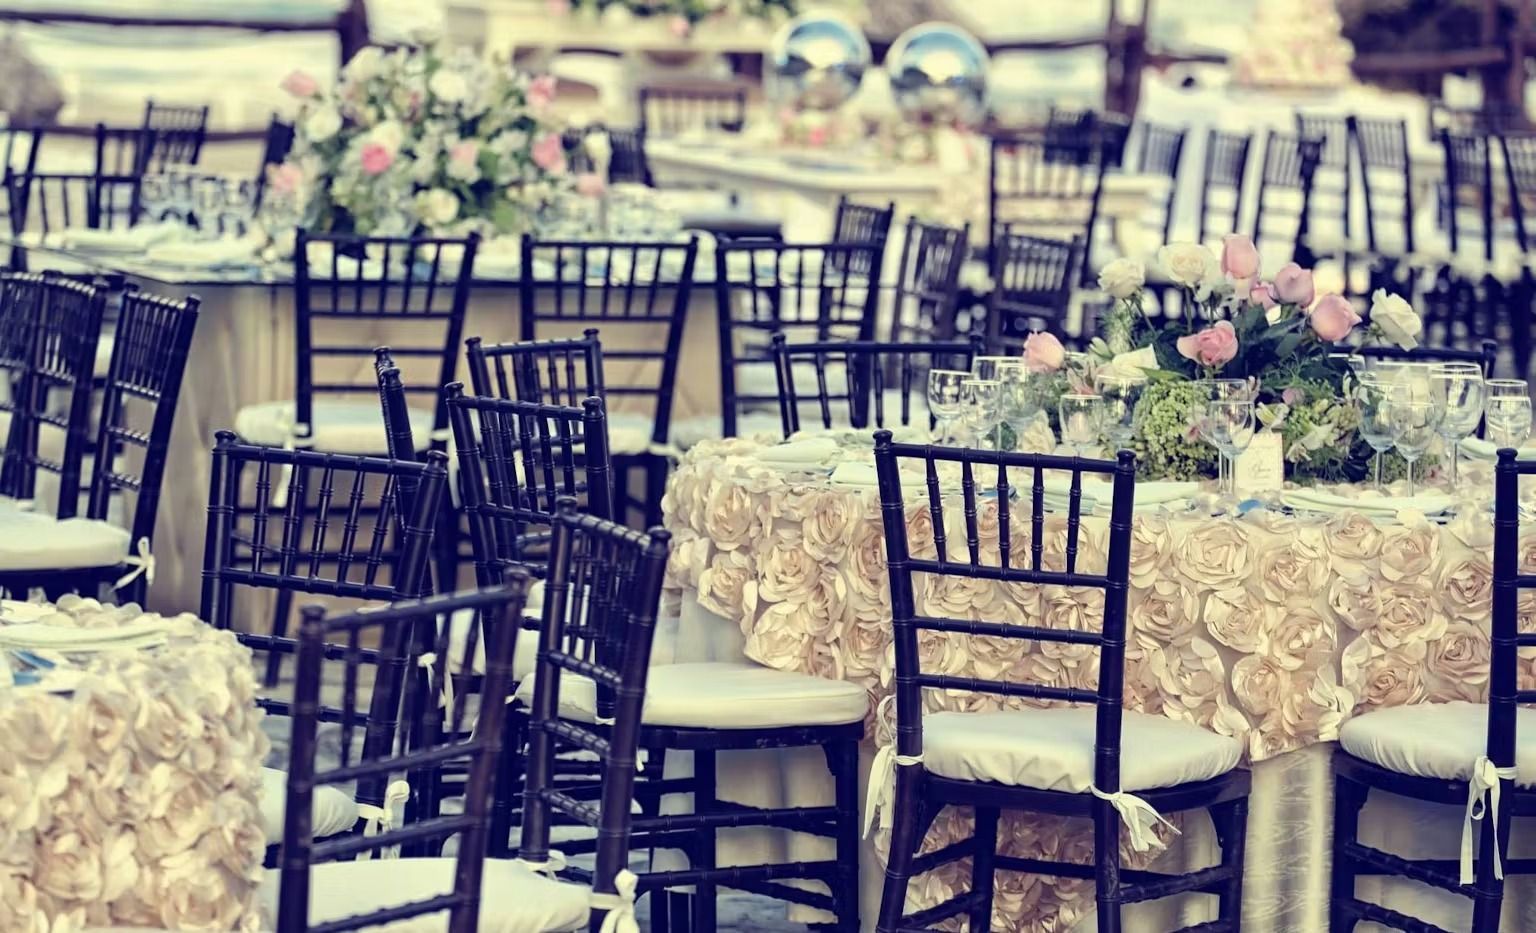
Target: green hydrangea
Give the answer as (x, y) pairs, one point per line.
(1164, 447)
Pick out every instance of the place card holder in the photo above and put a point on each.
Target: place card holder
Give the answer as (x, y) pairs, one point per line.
(1260, 468)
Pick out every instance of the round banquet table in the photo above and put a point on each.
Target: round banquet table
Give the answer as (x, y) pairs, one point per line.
(130, 779)
(1271, 627)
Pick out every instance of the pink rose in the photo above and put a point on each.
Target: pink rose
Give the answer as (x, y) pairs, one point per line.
(285, 178)
(1214, 346)
(679, 26)
(300, 84)
(464, 152)
(541, 92)
(1263, 294)
(377, 159)
(548, 154)
(557, 7)
(590, 185)
(1333, 318)
(1292, 395)
(817, 136)
(1043, 353)
(1293, 285)
(1239, 257)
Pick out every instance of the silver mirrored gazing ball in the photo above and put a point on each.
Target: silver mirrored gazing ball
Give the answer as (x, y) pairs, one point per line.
(939, 73)
(816, 62)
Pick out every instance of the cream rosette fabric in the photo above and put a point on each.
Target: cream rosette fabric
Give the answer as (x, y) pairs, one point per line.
(1269, 628)
(132, 801)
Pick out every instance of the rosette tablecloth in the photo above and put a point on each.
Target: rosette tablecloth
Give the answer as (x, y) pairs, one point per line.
(129, 782)
(1272, 628)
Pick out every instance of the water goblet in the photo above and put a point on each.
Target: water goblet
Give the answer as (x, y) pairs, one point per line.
(978, 400)
(1017, 403)
(944, 398)
(1374, 400)
(1509, 421)
(1458, 389)
(1120, 394)
(1210, 390)
(1231, 426)
(1419, 422)
(991, 367)
(1082, 418)
(1501, 388)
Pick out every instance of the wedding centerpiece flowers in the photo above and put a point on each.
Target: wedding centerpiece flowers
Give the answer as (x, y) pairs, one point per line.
(423, 139)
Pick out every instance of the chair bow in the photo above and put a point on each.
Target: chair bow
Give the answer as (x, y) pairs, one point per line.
(445, 698)
(882, 786)
(1483, 799)
(553, 864)
(381, 819)
(1140, 818)
(141, 564)
(620, 906)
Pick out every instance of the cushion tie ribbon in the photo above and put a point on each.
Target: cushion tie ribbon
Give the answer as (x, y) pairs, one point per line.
(1140, 818)
(444, 698)
(620, 905)
(1482, 799)
(382, 818)
(553, 864)
(141, 564)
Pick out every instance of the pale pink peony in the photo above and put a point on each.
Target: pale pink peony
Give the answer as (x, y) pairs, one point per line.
(1333, 318)
(1214, 346)
(285, 178)
(1043, 353)
(377, 159)
(548, 154)
(1293, 285)
(1239, 257)
(590, 185)
(817, 136)
(541, 92)
(300, 83)
(680, 27)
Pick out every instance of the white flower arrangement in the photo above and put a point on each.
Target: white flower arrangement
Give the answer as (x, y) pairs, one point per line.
(423, 139)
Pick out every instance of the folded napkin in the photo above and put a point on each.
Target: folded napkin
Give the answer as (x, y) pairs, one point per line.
(1487, 450)
(811, 452)
(1319, 500)
(205, 254)
(861, 475)
(37, 636)
(1098, 492)
(131, 240)
(14, 611)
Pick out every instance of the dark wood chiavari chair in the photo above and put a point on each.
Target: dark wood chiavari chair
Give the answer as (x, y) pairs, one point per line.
(300, 521)
(1485, 356)
(1048, 185)
(820, 291)
(1283, 206)
(1386, 181)
(1161, 153)
(1033, 279)
(322, 883)
(1468, 177)
(176, 135)
(861, 384)
(49, 203)
(1520, 177)
(928, 281)
(1333, 182)
(672, 111)
(1088, 762)
(1459, 754)
(1223, 176)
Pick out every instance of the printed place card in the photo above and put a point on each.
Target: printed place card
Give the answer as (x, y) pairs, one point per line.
(1261, 468)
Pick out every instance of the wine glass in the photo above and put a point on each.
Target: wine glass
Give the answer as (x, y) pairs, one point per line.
(1082, 418)
(155, 198)
(1509, 421)
(1120, 394)
(1458, 389)
(991, 367)
(978, 401)
(1211, 390)
(1419, 420)
(1500, 388)
(944, 398)
(1374, 400)
(1231, 427)
(1017, 404)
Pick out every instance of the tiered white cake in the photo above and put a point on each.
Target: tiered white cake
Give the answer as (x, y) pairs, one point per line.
(1295, 44)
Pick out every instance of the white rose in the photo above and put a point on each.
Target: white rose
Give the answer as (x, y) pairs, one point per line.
(437, 207)
(448, 86)
(1398, 321)
(389, 134)
(1132, 365)
(366, 65)
(322, 124)
(598, 146)
(1188, 264)
(1122, 278)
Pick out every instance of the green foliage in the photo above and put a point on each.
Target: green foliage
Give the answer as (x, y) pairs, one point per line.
(1165, 448)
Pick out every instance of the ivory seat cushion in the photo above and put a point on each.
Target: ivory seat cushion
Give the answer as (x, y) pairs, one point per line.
(32, 540)
(723, 695)
(523, 656)
(342, 426)
(1436, 740)
(334, 811)
(1052, 749)
(512, 898)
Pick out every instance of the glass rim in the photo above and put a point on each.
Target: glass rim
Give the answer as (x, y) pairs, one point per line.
(949, 372)
(1511, 383)
(1081, 396)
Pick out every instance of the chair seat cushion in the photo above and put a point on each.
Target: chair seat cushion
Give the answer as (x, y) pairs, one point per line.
(340, 426)
(335, 812)
(524, 655)
(38, 541)
(512, 898)
(724, 695)
(1052, 749)
(1436, 740)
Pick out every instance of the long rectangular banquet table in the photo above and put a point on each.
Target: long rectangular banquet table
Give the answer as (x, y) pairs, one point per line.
(1273, 628)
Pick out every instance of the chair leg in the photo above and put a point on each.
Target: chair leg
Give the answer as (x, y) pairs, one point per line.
(1231, 821)
(655, 488)
(844, 759)
(1488, 889)
(1106, 862)
(982, 870)
(704, 917)
(280, 613)
(509, 784)
(1348, 798)
(904, 842)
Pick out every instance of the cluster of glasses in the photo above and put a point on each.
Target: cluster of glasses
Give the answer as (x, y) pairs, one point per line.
(1222, 414)
(1405, 406)
(626, 212)
(214, 205)
(974, 407)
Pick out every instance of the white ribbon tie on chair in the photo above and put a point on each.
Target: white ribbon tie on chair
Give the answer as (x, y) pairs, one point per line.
(620, 906)
(1140, 818)
(882, 786)
(141, 564)
(1482, 799)
(552, 865)
(382, 819)
(445, 696)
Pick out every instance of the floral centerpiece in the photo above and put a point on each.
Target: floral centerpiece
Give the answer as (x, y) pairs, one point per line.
(681, 15)
(1277, 333)
(422, 139)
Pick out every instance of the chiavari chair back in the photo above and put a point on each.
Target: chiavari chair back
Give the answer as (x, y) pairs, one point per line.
(1224, 174)
(1468, 182)
(175, 135)
(1283, 207)
(1033, 279)
(1520, 176)
(1047, 184)
(928, 280)
(1161, 154)
(1386, 181)
(861, 384)
(1333, 182)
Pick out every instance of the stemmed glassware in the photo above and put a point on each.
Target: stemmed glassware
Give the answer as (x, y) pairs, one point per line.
(1215, 390)
(1418, 421)
(991, 367)
(944, 401)
(1082, 419)
(1509, 421)
(978, 401)
(1376, 400)
(1458, 389)
(1017, 405)
(1120, 394)
(1230, 422)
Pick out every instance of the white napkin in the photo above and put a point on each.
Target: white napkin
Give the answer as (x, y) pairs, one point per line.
(1097, 492)
(14, 611)
(1482, 449)
(811, 452)
(37, 636)
(1319, 500)
(131, 240)
(205, 254)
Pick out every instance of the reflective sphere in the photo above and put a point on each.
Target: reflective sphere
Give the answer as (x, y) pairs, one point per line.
(816, 62)
(939, 73)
